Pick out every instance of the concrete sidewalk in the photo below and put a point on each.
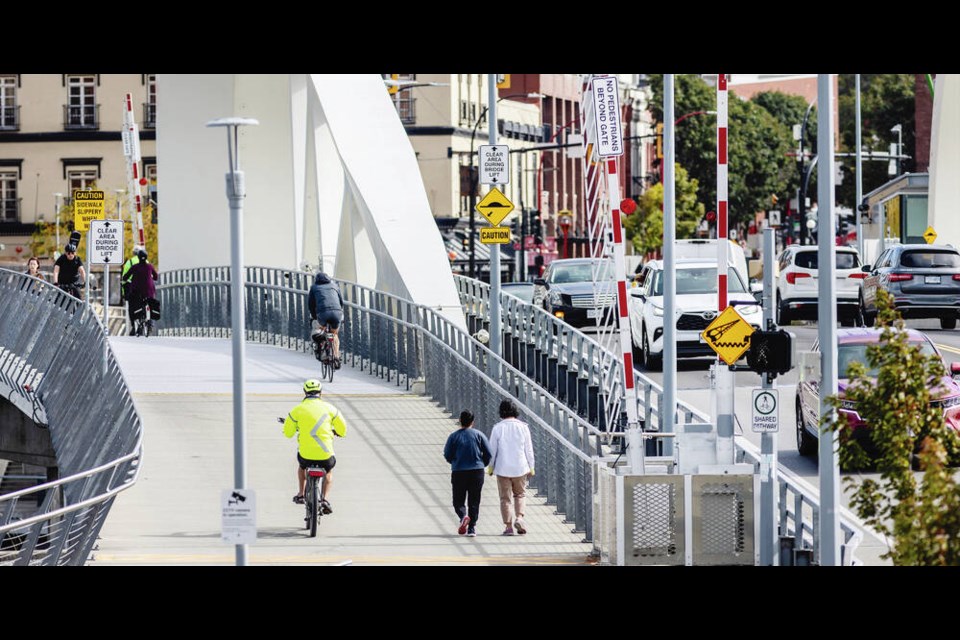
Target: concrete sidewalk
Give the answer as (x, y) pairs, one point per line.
(391, 495)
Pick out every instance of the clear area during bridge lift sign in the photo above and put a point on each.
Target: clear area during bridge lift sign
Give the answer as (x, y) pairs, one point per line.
(494, 164)
(106, 241)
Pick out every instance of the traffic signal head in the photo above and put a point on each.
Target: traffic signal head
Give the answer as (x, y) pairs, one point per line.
(771, 351)
(660, 140)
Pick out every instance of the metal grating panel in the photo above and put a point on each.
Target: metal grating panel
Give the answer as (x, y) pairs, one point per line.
(723, 520)
(654, 520)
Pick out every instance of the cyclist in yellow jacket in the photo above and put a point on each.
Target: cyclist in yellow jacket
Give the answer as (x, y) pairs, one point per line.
(316, 422)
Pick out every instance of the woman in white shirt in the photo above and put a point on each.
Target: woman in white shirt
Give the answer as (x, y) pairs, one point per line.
(511, 459)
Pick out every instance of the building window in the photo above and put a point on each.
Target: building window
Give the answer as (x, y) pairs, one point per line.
(9, 202)
(150, 172)
(80, 179)
(150, 106)
(9, 111)
(80, 112)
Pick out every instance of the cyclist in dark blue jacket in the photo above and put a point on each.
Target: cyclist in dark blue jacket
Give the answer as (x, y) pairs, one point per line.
(326, 310)
(468, 452)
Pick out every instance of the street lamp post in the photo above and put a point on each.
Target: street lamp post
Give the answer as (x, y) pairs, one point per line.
(56, 213)
(474, 180)
(898, 129)
(236, 192)
(804, 174)
(403, 85)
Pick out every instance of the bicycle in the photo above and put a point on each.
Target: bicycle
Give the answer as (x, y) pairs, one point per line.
(75, 289)
(312, 496)
(323, 351)
(144, 316)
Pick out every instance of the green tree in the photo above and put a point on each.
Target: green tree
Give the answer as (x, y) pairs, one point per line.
(757, 147)
(789, 110)
(922, 518)
(886, 100)
(645, 226)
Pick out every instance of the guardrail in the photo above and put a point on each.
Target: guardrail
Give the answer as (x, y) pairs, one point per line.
(546, 347)
(57, 367)
(406, 343)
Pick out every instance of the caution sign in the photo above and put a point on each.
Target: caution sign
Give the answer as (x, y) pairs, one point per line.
(87, 206)
(929, 235)
(495, 206)
(494, 235)
(728, 335)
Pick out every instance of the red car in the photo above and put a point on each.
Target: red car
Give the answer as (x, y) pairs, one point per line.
(852, 347)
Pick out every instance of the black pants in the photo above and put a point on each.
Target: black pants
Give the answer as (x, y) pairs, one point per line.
(467, 485)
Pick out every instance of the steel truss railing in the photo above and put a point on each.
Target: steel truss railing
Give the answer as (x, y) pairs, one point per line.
(405, 343)
(550, 351)
(57, 367)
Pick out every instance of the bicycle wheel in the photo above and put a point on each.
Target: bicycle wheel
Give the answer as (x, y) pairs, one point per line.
(315, 507)
(330, 368)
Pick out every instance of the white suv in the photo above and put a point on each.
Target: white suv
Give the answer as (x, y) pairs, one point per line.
(798, 284)
(696, 307)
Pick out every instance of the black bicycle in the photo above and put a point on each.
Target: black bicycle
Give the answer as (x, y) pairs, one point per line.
(323, 351)
(143, 318)
(312, 497)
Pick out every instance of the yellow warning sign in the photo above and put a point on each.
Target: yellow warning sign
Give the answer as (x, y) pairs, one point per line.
(494, 235)
(87, 206)
(728, 335)
(494, 206)
(929, 235)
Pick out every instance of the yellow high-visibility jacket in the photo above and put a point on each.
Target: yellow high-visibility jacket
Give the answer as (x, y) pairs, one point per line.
(315, 422)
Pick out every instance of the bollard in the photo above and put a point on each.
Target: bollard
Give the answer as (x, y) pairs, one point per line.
(508, 348)
(582, 398)
(803, 557)
(531, 361)
(786, 550)
(561, 381)
(593, 415)
(552, 375)
(572, 389)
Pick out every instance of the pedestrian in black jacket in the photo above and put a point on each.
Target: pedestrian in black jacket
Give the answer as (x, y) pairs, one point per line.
(468, 452)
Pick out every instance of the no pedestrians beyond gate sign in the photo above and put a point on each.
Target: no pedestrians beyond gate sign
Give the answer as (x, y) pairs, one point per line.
(106, 241)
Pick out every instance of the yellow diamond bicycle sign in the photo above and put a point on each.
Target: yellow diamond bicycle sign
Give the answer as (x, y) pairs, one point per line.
(728, 335)
(495, 206)
(929, 235)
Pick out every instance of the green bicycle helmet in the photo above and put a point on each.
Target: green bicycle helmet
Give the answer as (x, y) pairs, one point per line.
(312, 386)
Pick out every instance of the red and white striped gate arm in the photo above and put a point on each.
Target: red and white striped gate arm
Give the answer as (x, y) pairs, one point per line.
(722, 232)
(610, 166)
(132, 153)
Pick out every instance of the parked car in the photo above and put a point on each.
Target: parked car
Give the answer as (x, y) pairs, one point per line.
(924, 280)
(852, 347)
(696, 308)
(522, 290)
(579, 291)
(798, 285)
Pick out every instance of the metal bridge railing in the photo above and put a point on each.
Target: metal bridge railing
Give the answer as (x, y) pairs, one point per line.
(57, 367)
(549, 350)
(403, 342)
